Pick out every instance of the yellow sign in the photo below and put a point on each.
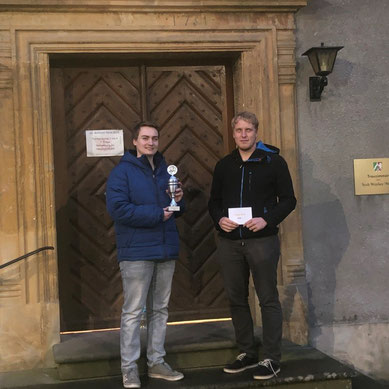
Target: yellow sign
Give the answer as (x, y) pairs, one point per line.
(371, 176)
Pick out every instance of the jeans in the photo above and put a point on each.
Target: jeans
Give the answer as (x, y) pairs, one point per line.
(144, 283)
(260, 256)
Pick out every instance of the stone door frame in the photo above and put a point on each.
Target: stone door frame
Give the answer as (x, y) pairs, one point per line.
(264, 82)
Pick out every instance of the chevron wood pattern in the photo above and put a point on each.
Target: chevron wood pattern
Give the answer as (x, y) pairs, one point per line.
(90, 283)
(187, 102)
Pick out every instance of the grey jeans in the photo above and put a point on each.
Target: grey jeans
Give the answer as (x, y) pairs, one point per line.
(260, 256)
(144, 283)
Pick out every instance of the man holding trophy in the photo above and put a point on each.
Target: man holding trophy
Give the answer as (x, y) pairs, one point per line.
(139, 191)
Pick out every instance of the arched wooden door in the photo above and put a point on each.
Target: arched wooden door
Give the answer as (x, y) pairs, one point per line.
(189, 103)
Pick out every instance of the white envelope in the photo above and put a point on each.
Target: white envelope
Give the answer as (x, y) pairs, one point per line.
(240, 215)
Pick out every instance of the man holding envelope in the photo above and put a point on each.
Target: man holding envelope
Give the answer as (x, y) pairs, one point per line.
(251, 194)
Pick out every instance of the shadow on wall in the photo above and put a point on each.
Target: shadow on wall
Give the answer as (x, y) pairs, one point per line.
(326, 238)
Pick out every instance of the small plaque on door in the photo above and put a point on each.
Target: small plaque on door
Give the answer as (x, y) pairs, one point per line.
(104, 143)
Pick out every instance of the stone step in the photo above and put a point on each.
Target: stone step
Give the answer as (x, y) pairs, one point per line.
(190, 346)
(194, 379)
(200, 350)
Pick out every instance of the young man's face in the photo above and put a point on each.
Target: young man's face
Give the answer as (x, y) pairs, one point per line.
(245, 135)
(147, 141)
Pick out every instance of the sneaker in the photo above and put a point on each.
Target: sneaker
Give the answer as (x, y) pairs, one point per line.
(131, 379)
(241, 363)
(266, 369)
(164, 371)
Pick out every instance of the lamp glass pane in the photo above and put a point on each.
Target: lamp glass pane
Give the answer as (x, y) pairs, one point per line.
(326, 61)
(314, 60)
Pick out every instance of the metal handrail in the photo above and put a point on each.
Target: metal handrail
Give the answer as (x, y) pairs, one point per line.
(26, 255)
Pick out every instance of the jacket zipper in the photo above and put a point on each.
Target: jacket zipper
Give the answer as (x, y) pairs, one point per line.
(163, 223)
(241, 197)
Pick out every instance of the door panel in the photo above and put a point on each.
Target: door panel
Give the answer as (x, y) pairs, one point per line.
(89, 280)
(188, 103)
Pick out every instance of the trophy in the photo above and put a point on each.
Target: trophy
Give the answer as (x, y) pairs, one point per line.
(172, 187)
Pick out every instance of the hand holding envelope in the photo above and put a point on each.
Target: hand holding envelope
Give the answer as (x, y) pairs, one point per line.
(256, 224)
(227, 225)
(241, 216)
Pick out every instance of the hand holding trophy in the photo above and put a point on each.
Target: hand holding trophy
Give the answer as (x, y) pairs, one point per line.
(173, 185)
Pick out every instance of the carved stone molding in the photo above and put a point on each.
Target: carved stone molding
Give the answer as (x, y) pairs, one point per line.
(33, 100)
(274, 102)
(5, 60)
(10, 291)
(295, 271)
(286, 58)
(155, 6)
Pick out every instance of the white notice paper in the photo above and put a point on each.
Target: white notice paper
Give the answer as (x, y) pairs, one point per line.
(104, 143)
(240, 215)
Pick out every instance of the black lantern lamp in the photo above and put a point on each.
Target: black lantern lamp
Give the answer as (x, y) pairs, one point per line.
(322, 60)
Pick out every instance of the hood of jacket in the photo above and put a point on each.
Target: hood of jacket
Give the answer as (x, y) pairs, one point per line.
(142, 162)
(268, 148)
(261, 153)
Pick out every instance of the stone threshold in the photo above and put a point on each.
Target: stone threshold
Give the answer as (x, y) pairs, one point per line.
(194, 348)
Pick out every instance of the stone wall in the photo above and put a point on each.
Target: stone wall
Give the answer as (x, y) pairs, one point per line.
(345, 236)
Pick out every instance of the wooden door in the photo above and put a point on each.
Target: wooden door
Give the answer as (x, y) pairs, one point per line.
(189, 105)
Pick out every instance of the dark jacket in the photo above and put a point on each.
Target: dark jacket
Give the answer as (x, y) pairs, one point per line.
(136, 197)
(262, 182)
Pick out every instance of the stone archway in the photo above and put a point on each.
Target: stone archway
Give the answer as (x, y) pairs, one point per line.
(262, 37)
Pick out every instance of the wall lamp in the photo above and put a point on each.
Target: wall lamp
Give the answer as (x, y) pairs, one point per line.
(322, 60)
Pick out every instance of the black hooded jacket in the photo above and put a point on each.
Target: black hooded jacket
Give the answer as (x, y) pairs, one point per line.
(262, 182)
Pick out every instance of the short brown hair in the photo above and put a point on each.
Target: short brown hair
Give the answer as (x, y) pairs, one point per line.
(246, 116)
(135, 132)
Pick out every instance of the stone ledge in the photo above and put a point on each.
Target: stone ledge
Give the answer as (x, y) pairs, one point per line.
(155, 6)
(191, 346)
(106, 344)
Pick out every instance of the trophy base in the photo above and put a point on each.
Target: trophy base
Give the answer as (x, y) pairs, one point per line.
(173, 208)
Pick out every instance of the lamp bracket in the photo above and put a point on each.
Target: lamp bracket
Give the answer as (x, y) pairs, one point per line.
(316, 86)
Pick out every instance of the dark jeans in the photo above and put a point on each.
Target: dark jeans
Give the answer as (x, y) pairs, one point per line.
(260, 256)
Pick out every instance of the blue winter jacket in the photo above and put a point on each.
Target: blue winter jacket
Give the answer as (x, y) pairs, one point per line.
(136, 197)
